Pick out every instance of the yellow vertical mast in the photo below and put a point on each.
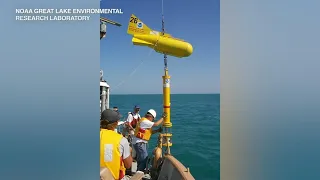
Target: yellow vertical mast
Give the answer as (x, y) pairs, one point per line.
(166, 100)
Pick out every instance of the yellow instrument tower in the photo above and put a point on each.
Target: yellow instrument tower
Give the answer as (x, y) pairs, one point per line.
(166, 108)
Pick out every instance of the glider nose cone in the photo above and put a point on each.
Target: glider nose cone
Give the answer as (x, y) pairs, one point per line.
(189, 49)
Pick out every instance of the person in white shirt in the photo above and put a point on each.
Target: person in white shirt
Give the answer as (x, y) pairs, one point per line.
(142, 134)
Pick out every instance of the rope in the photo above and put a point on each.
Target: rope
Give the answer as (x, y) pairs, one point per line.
(135, 70)
(131, 74)
(162, 8)
(163, 31)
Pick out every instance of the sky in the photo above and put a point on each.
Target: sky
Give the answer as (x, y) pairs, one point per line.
(131, 69)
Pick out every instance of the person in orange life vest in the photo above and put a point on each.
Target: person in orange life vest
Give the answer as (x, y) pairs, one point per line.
(133, 119)
(114, 148)
(142, 134)
(131, 122)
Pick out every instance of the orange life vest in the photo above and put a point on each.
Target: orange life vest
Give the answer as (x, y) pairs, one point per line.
(134, 121)
(110, 156)
(144, 134)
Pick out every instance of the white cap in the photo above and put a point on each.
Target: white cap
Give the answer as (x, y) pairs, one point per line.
(152, 112)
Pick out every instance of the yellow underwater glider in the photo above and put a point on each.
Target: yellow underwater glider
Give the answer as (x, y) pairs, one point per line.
(161, 43)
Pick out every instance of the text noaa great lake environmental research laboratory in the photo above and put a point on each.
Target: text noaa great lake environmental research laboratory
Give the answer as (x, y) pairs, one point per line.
(61, 14)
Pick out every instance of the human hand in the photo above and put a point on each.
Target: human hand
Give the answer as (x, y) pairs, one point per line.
(164, 115)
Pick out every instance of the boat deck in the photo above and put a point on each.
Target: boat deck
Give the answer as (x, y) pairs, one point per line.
(106, 175)
(171, 169)
(137, 175)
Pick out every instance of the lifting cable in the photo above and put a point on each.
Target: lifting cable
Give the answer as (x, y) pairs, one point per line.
(134, 71)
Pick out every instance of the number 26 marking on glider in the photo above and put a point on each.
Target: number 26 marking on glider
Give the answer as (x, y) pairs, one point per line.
(133, 20)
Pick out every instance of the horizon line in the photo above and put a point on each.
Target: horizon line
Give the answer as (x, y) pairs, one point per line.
(170, 94)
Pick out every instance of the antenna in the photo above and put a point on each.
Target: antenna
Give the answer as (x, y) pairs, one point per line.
(101, 75)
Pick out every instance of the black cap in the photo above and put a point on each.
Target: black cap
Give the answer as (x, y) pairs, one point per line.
(110, 116)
